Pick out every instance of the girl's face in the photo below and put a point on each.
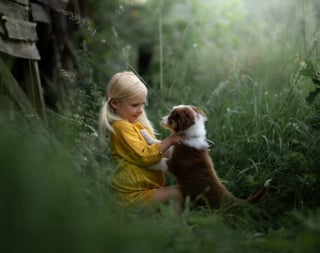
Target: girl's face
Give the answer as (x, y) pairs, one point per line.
(130, 109)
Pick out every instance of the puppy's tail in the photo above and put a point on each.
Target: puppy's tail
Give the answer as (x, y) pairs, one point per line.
(254, 199)
(259, 195)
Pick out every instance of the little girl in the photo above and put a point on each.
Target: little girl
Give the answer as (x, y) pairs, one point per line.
(123, 114)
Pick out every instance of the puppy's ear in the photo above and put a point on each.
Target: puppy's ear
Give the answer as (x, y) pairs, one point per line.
(199, 111)
(181, 119)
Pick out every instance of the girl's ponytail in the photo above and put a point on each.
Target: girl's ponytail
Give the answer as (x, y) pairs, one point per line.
(103, 122)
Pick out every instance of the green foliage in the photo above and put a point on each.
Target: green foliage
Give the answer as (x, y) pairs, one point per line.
(312, 70)
(45, 206)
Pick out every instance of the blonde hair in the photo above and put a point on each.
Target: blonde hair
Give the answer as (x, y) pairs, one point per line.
(122, 86)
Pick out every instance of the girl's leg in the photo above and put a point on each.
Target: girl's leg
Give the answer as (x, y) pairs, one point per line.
(165, 194)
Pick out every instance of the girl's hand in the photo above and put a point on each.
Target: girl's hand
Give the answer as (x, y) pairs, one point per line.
(171, 140)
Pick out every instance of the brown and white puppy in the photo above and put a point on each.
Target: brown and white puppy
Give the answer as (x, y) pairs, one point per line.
(191, 164)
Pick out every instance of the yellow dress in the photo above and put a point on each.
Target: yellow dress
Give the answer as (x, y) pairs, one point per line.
(133, 183)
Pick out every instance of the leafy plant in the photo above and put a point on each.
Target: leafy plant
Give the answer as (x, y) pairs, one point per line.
(311, 70)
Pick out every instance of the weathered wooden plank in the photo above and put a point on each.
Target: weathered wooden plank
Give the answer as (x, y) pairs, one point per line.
(24, 2)
(40, 13)
(14, 88)
(18, 48)
(20, 29)
(55, 4)
(14, 10)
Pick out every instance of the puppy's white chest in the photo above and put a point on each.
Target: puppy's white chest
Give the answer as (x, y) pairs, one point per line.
(197, 143)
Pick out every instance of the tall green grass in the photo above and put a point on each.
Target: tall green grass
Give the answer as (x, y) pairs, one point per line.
(51, 201)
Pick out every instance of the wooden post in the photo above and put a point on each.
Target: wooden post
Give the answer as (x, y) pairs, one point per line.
(34, 88)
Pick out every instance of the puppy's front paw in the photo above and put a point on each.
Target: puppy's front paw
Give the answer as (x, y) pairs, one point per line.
(148, 137)
(161, 165)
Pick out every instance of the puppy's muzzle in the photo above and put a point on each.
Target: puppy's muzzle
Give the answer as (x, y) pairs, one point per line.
(164, 121)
